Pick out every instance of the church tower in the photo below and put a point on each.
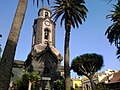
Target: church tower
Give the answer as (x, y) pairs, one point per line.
(44, 28)
(44, 58)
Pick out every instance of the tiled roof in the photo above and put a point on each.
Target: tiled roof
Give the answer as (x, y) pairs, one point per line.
(112, 78)
(116, 78)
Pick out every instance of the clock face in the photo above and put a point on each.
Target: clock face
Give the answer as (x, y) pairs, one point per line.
(47, 22)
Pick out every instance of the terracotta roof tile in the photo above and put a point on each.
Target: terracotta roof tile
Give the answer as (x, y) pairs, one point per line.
(115, 78)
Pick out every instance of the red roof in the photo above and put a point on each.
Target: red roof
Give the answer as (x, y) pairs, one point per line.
(114, 79)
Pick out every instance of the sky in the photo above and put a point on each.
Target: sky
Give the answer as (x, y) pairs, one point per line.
(88, 38)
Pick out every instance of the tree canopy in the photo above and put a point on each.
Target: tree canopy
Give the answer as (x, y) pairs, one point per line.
(87, 64)
(27, 80)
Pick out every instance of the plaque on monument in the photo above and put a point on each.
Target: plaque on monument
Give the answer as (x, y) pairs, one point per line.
(46, 78)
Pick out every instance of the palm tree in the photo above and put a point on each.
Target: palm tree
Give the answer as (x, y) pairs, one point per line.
(31, 77)
(113, 31)
(9, 51)
(87, 64)
(27, 81)
(72, 12)
(10, 48)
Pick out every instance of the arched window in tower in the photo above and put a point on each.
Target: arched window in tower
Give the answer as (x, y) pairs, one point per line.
(46, 34)
(46, 14)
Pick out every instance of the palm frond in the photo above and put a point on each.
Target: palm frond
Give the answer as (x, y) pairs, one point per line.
(37, 2)
(118, 53)
(63, 17)
(0, 35)
(70, 11)
(113, 34)
(33, 2)
(113, 31)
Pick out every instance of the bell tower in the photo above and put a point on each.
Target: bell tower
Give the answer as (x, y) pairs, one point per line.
(44, 57)
(43, 28)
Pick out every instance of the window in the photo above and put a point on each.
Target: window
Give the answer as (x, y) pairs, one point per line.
(46, 14)
(76, 86)
(46, 34)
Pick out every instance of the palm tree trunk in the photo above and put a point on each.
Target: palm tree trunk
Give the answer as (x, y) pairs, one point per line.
(29, 85)
(66, 59)
(10, 48)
